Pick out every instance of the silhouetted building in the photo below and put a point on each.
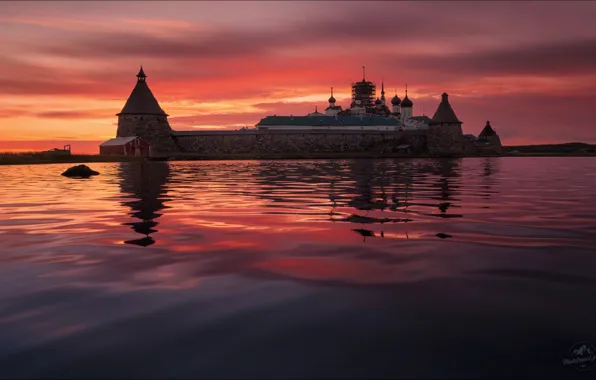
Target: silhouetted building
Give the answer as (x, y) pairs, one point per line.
(445, 136)
(367, 126)
(125, 146)
(366, 112)
(332, 110)
(142, 117)
(488, 140)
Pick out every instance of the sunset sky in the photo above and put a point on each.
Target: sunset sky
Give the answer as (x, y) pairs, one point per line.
(66, 68)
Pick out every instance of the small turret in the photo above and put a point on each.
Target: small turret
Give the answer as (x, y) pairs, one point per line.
(141, 77)
(316, 113)
(488, 140)
(487, 131)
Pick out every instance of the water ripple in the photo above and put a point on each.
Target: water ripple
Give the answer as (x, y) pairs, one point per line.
(83, 261)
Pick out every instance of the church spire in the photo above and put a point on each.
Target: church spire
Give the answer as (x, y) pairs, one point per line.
(141, 75)
(406, 102)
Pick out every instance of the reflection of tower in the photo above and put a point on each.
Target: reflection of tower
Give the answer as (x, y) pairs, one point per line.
(407, 191)
(146, 182)
(362, 172)
(447, 171)
(489, 166)
(488, 170)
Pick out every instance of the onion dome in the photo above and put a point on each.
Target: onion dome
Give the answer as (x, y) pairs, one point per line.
(331, 99)
(395, 101)
(407, 102)
(378, 101)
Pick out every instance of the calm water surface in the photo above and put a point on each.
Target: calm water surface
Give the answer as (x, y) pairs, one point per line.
(299, 269)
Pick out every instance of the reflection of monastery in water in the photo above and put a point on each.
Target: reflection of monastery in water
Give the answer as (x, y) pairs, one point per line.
(371, 198)
(382, 193)
(146, 183)
(367, 126)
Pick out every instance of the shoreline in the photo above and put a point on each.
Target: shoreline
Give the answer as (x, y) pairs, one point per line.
(38, 159)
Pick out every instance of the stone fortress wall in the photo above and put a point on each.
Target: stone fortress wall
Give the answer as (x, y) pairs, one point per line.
(447, 139)
(154, 129)
(291, 142)
(142, 117)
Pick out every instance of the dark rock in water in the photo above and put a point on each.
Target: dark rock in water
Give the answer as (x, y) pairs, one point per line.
(364, 232)
(447, 215)
(82, 171)
(144, 242)
(443, 236)
(365, 219)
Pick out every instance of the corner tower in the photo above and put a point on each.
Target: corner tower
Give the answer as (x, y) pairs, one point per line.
(444, 135)
(143, 117)
(488, 140)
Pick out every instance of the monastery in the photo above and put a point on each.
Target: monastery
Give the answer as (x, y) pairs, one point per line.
(367, 126)
(365, 112)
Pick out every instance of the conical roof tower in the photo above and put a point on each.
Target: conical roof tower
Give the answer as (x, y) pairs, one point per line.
(141, 101)
(487, 131)
(445, 113)
(142, 117)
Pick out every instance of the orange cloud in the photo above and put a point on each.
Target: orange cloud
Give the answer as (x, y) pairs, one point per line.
(67, 71)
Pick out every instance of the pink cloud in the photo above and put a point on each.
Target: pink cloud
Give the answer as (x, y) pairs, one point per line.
(200, 53)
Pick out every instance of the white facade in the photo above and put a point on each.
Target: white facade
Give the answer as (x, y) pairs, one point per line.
(358, 110)
(332, 111)
(406, 113)
(413, 124)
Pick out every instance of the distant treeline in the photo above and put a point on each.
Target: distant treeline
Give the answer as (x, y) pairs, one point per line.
(567, 148)
(26, 158)
(29, 158)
